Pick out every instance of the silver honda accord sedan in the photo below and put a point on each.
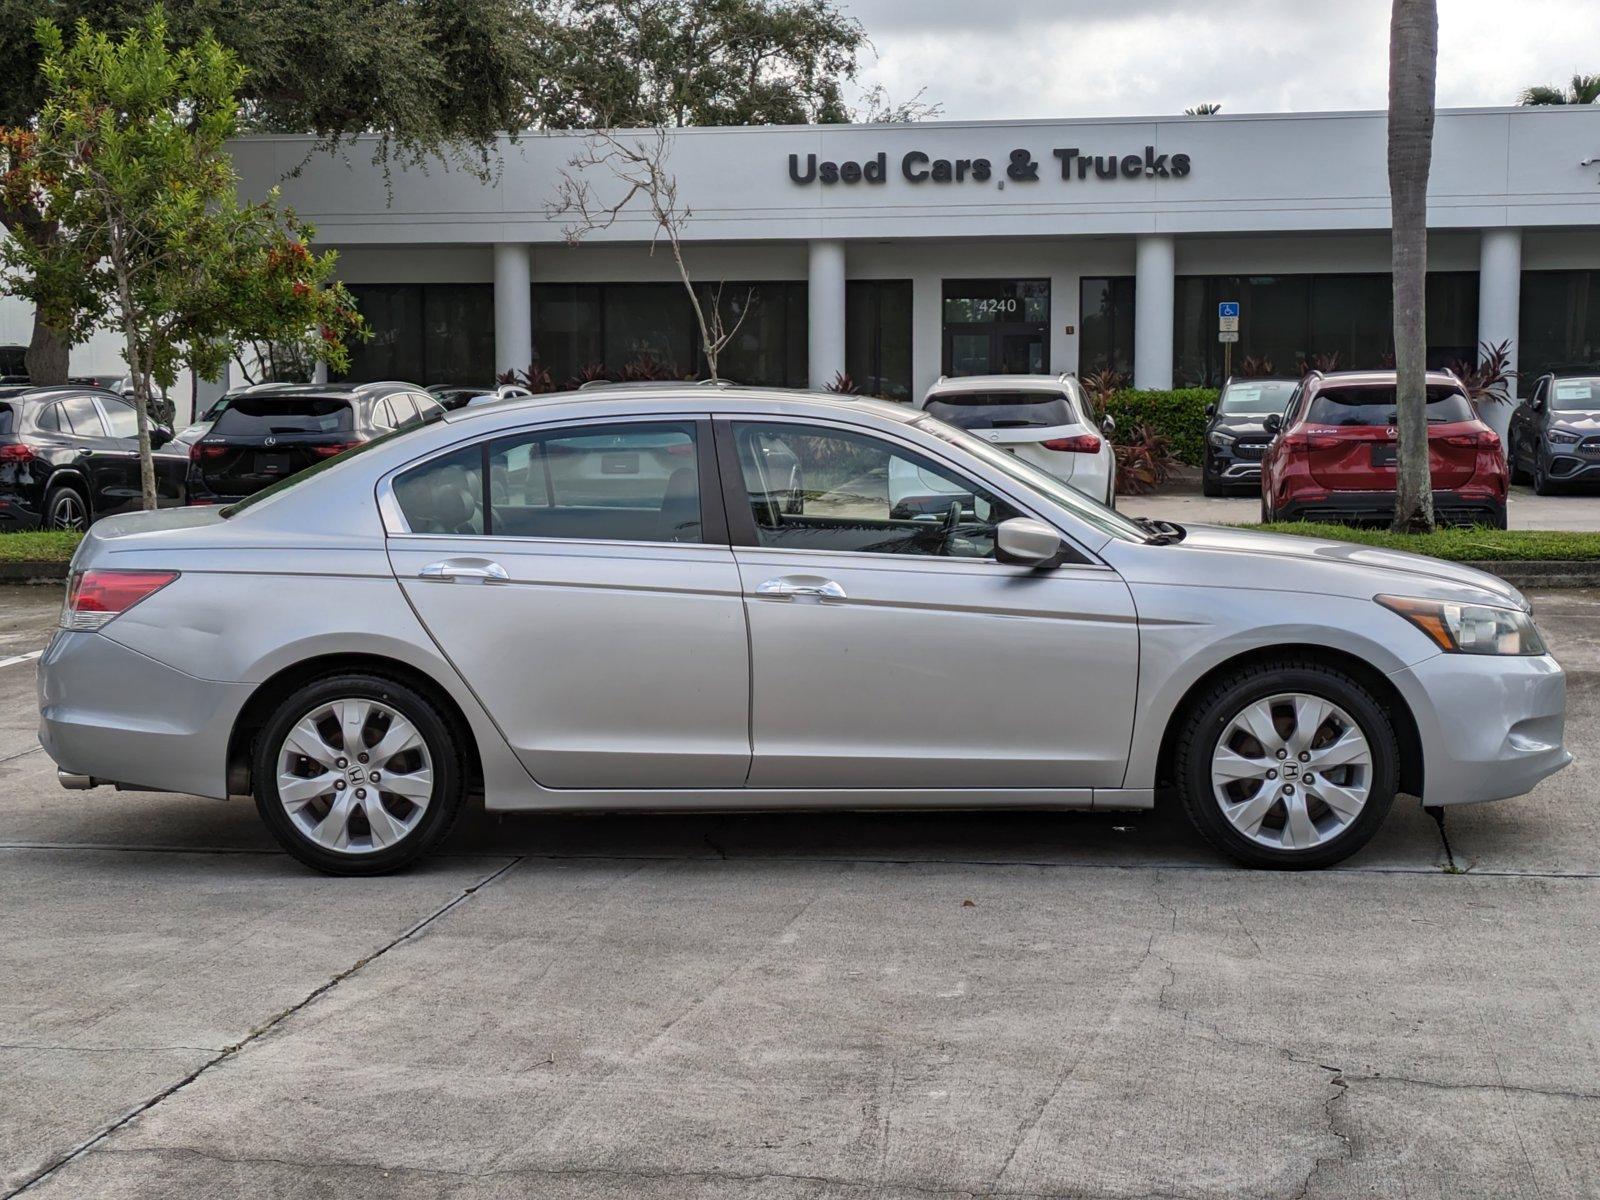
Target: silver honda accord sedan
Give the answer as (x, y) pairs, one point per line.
(725, 598)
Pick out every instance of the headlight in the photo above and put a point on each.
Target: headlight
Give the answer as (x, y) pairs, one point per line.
(1469, 628)
(1560, 437)
(1221, 440)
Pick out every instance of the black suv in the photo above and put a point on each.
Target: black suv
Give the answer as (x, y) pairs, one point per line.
(69, 455)
(1235, 436)
(1554, 435)
(268, 432)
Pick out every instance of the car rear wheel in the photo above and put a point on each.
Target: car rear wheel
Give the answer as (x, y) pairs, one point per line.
(66, 508)
(1288, 764)
(358, 775)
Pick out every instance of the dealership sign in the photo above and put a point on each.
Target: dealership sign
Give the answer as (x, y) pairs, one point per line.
(915, 166)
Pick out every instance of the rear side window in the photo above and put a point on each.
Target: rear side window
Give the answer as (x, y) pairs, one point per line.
(1003, 410)
(636, 483)
(1374, 404)
(261, 417)
(83, 415)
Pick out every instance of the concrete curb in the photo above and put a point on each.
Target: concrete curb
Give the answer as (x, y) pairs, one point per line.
(32, 572)
(1564, 574)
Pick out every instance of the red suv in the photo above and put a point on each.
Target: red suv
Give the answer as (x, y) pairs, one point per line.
(1333, 456)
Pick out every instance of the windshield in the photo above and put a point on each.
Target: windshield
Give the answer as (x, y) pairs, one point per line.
(1374, 404)
(1257, 397)
(1002, 410)
(299, 477)
(251, 416)
(1091, 512)
(1575, 395)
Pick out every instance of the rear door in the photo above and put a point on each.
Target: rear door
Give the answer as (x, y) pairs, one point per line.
(171, 467)
(111, 466)
(890, 650)
(580, 580)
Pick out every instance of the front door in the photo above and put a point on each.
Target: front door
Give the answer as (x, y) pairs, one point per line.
(890, 650)
(996, 327)
(579, 579)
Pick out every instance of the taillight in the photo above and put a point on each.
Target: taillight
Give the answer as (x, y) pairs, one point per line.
(15, 452)
(201, 450)
(1485, 439)
(96, 596)
(334, 449)
(1083, 443)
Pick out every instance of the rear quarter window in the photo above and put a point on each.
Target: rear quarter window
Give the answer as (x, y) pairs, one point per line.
(1003, 410)
(250, 417)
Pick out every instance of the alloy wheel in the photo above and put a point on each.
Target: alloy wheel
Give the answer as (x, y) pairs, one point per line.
(1291, 771)
(354, 776)
(67, 511)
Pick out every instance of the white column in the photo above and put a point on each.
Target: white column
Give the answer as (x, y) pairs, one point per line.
(1154, 272)
(825, 310)
(1500, 304)
(513, 307)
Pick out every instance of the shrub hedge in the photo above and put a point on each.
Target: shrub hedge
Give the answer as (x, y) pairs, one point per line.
(1179, 414)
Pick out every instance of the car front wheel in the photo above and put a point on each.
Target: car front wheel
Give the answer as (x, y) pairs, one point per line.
(358, 775)
(1288, 764)
(1542, 484)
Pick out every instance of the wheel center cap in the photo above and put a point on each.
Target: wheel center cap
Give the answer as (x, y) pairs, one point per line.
(356, 774)
(1290, 770)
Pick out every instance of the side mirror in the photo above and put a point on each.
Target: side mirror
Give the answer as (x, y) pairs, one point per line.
(1108, 424)
(1211, 410)
(1273, 424)
(160, 435)
(1022, 541)
(1537, 404)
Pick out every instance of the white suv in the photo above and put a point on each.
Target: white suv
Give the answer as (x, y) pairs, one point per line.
(1042, 419)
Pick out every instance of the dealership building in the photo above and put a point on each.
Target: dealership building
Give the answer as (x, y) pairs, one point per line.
(898, 253)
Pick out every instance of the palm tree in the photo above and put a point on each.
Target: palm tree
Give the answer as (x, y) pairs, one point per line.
(1208, 109)
(1584, 89)
(1413, 67)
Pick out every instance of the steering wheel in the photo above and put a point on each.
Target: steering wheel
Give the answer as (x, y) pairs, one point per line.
(952, 526)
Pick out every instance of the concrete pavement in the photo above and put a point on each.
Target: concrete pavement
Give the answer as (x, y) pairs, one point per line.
(797, 1005)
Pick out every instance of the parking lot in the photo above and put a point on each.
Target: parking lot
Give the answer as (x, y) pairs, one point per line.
(906, 1005)
(1524, 510)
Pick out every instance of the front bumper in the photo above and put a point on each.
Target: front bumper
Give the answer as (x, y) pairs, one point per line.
(1227, 471)
(118, 716)
(1372, 508)
(1491, 726)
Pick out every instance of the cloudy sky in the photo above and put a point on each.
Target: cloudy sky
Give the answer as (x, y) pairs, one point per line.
(1062, 58)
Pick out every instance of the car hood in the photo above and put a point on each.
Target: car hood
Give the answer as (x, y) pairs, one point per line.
(1287, 563)
(1577, 422)
(1243, 423)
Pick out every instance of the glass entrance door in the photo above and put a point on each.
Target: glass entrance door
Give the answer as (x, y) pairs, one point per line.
(996, 326)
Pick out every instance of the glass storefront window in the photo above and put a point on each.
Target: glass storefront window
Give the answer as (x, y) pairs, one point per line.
(395, 350)
(1560, 325)
(457, 334)
(760, 351)
(566, 329)
(973, 300)
(996, 326)
(877, 325)
(1105, 325)
(648, 320)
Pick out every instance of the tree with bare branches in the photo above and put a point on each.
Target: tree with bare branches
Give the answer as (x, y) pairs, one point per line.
(635, 173)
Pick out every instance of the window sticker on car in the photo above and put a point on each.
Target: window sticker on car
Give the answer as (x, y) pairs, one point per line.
(1245, 395)
(1574, 389)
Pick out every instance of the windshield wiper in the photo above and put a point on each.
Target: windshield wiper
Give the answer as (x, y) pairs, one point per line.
(1162, 533)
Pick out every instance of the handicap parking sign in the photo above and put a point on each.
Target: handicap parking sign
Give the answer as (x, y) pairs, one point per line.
(1228, 308)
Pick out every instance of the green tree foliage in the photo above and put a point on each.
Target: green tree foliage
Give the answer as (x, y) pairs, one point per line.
(635, 64)
(442, 77)
(1584, 89)
(126, 167)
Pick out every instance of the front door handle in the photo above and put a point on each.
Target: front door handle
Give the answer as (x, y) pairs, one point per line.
(809, 586)
(464, 570)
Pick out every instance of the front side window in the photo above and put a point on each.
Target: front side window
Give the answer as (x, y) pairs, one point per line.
(121, 419)
(820, 488)
(635, 482)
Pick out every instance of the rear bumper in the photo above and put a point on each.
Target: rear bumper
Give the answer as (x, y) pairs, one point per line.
(118, 716)
(1357, 508)
(1491, 727)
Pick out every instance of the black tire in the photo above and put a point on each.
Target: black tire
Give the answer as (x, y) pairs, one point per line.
(1543, 485)
(1210, 487)
(1266, 512)
(1519, 473)
(66, 507)
(1208, 718)
(1498, 521)
(443, 748)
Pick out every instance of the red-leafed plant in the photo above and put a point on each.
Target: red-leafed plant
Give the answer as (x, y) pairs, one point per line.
(843, 384)
(1488, 381)
(1320, 362)
(1255, 367)
(1145, 461)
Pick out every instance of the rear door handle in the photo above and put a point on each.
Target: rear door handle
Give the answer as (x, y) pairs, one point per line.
(808, 586)
(464, 570)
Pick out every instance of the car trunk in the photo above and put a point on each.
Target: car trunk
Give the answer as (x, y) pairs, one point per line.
(257, 442)
(1017, 422)
(1352, 444)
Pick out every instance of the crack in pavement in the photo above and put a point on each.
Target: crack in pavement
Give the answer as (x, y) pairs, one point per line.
(258, 1032)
